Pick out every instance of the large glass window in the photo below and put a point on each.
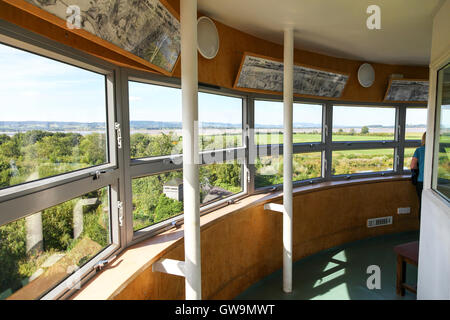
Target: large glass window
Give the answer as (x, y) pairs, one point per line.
(156, 123)
(307, 125)
(269, 169)
(268, 122)
(155, 120)
(441, 167)
(307, 122)
(362, 161)
(159, 197)
(363, 123)
(416, 123)
(53, 117)
(41, 250)
(220, 121)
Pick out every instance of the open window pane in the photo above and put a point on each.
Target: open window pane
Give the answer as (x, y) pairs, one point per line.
(307, 123)
(269, 169)
(442, 145)
(362, 161)
(155, 120)
(53, 117)
(41, 250)
(416, 123)
(220, 121)
(159, 197)
(363, 123)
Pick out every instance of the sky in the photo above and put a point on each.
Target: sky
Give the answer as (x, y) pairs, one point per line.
(271, 112)
(34, 88)
(157, 103)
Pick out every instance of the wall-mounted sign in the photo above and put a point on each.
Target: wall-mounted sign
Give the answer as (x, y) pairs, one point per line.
(407, 90)
(145, 28)
(263, 74)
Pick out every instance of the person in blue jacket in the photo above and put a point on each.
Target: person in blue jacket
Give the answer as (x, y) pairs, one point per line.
(417, 162)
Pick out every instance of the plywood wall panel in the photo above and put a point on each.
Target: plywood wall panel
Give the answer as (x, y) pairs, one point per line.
(246, 245)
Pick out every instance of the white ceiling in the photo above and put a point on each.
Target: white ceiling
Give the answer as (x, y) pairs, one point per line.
(337, 27)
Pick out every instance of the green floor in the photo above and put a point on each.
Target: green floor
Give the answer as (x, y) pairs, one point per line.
(340, 273)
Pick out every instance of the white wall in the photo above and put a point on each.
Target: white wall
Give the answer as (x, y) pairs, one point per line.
(434, 249)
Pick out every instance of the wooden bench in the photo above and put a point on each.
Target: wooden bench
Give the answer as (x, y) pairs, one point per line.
(406, 253)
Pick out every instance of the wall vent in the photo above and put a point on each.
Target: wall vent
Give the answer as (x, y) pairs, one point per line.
(377, 222)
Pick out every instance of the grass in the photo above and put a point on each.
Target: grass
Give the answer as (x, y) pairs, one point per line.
(277, 138)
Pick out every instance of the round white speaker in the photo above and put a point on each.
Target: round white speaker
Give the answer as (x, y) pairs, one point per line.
(207, 37)
(366, 75)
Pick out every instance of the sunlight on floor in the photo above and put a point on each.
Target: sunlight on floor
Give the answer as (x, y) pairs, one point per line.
(340, 273)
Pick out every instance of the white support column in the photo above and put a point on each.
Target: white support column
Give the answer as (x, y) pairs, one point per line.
(191, 193)
(35, 237)
(170, 266)
(288, 88)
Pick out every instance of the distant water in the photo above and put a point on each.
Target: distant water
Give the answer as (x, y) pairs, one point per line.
(83, 133)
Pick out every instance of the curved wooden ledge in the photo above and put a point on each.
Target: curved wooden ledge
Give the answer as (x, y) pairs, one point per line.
(241, 243)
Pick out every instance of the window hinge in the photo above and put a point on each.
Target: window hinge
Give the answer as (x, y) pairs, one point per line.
(248, 176)
(119, 135)
(102, 263)
(326, 130)
(120, 207)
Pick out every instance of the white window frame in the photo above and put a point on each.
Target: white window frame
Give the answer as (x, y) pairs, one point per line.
(19, 201)
(143, 167)
(298, 148)
(435, 128)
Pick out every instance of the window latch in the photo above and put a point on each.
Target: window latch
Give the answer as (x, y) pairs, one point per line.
(97, 174)
(120, 207)
(119, 135)
(102, 263)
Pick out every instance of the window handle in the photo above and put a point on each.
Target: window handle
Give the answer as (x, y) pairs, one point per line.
(96, 175)
(118, 134)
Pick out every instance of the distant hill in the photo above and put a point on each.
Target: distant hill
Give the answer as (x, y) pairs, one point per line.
(15, 126)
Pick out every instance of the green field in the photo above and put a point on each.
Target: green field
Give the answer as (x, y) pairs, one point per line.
(277, 138)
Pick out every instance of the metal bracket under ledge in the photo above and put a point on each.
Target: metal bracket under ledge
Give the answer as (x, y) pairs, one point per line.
(170, 266)
(274, 207)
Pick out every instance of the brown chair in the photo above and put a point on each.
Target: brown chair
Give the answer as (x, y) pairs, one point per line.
(406, 253)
